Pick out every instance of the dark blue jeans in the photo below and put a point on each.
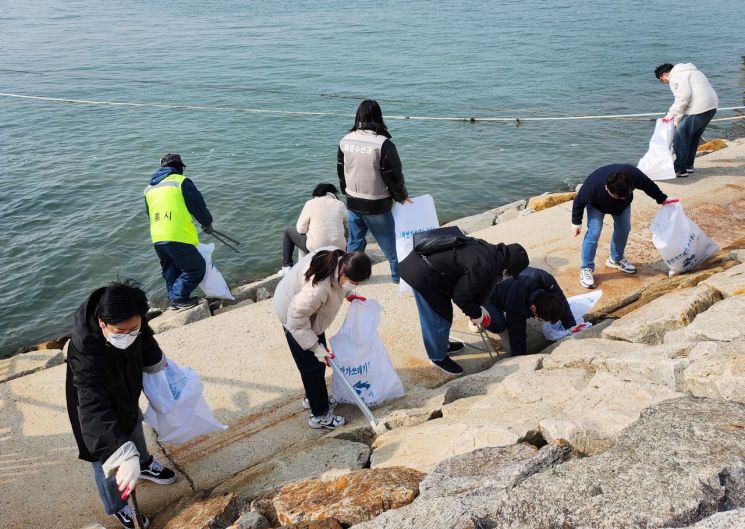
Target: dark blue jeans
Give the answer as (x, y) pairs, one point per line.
(383, 229)
(498, 321)
(107, 489)
(687, 135)
(183, 268)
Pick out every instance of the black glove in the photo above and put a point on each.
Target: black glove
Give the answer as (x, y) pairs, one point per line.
(208, 229)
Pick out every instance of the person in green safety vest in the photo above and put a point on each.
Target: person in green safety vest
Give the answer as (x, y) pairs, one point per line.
(171, 201)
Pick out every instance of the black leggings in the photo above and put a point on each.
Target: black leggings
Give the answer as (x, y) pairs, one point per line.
(313, 374)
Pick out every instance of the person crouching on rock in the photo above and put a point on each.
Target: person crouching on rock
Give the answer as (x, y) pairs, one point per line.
(306, 301)
(322, 222)
(466, 275)
(111, 346)
(532, 294)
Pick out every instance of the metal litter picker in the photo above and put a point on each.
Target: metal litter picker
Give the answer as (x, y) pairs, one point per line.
(134, 509)
(376, 425)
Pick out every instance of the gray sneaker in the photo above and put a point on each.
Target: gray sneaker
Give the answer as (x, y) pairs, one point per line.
(623, 265)
(586, 279)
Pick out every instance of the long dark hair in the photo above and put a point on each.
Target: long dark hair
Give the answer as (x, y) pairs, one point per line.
(355, 265)
(370, 117)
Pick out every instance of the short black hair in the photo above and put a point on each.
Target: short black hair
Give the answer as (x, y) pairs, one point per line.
(662, 68)
(548, 306)
(620, 184)
(121, 301)
(322, 189)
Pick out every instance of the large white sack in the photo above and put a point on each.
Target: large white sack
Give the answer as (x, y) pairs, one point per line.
(213, 285)
(579, 305)
(361, 356)
(681, 243)
(176, 408)
(657, 164)
(410, 219)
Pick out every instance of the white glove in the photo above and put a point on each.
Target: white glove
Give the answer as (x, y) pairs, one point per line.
(576, 229)
(484, 320)
(128, 473)
(322, 353)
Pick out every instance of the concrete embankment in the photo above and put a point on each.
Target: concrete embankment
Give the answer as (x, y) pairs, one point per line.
(253, 386)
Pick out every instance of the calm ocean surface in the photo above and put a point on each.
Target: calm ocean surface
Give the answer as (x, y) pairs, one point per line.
(72, 175)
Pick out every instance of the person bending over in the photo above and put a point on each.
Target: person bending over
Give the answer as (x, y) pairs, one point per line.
(111, 347)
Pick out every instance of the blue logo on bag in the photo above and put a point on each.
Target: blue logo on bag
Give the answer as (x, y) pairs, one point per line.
(360, 386)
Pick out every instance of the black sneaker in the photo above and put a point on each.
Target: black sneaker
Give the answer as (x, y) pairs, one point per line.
(124, 517)
(448, 366)
(455, 347)
(181, 304)
(157, 473)
(681, 174)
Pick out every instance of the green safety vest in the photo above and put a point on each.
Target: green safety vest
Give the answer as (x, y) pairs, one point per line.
(170, 219)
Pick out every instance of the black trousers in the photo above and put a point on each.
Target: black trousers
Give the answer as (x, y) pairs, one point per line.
(291, 239)
(313, 374)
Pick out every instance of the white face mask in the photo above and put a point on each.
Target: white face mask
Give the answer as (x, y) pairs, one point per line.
(122, 341)
(348, 287)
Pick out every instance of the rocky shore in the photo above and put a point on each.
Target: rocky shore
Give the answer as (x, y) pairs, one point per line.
(638, 422)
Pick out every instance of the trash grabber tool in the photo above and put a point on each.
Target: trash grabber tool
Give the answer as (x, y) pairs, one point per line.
(360, 403)
(487, 342)
(226, 243)
(225, 236)
(134, 509)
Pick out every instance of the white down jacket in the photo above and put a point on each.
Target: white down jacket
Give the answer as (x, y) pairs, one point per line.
(306, 310)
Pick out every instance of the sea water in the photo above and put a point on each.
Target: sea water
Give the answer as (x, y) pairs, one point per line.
(198, 77)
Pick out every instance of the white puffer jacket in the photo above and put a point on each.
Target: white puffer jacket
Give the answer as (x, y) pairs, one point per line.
(306, 310)
(692, 90)
(324, 220)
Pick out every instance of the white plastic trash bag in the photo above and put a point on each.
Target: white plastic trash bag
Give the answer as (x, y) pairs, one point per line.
(213, 285)
(657, 164)
(579, 305)
(177, 410)
(361, 356)
(410, 219)
(681, 243)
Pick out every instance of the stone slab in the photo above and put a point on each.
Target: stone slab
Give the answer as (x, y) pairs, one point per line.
(728, 283)
(650, 323)
(27, 363)
(173, 319)
(716, 370)
(724, 321)
(325, 459)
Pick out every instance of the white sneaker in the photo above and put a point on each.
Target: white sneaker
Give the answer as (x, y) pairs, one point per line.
(332, 403)
(623, 265)
(283, 271)
(328, 421)
(586, 279)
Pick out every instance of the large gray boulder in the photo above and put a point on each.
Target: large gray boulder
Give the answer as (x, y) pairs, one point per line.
(724, 322)
(681, 462)
(649, 323)
(451, 496)
(721, 520)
